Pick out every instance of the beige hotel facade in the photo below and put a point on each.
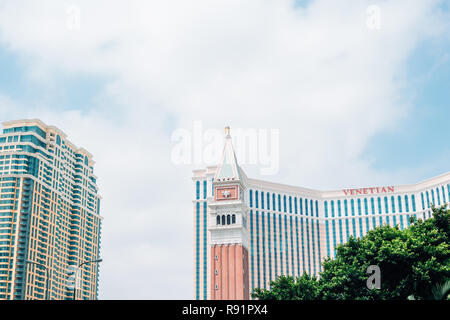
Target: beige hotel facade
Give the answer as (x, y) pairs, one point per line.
(50, 219)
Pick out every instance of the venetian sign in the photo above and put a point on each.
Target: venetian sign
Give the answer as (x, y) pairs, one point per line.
(374, 190)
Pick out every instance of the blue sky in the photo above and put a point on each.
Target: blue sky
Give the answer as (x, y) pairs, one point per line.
(421, 140)
(66, 91)
(354, 106)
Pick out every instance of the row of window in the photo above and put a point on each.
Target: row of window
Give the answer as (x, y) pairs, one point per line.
(197, 189)
(347, 207)
(435, 198)
(36, 129)
(361, 206)
(226, 219)
(271, 235)
(201, 244)
(283, 203)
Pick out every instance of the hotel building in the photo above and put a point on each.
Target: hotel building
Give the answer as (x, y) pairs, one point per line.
(248, 231)
(49, 214)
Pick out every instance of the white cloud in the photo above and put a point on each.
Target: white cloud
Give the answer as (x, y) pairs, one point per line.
(318, 74)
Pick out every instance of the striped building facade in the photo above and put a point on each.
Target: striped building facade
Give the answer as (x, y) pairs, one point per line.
(292, 229)
(49, 214)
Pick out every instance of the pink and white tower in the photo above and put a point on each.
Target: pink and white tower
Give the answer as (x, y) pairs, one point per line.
(228, 230)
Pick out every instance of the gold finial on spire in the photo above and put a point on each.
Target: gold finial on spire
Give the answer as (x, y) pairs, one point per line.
(227, 131)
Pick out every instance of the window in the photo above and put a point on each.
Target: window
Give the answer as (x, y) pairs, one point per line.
(332, 208)
(205, 189)
(290, 204)
(223, 220)
(262, 200)
(393, 204)
(273, 201)
(256, 199)
(448, 191)
(228, 219)
(295, 205)
(218, 220)
(443, 194)
(233, 218)
(197, 190)
(339, 208)
(317, 209)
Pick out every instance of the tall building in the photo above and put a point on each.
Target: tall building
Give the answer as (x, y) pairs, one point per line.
(49, 214)
(229, 235)
(248, 231)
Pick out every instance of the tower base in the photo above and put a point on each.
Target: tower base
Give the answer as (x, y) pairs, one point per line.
(229, 272)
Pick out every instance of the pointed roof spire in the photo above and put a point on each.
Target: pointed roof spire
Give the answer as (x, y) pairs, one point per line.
(227, 132)
(228, 169)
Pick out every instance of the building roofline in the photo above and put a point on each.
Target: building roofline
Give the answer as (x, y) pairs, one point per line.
(319, 193)
(39, 122)
(46, 127)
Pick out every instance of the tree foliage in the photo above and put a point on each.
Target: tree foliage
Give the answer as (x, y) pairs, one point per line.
(413, 262)
(288, 288)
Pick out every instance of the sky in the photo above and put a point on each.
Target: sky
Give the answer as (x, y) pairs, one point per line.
(358, 92)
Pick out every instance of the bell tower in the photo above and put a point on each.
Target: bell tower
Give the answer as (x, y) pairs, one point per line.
(228, 229)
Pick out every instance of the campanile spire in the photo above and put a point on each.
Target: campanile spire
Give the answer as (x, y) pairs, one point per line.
(227, 132)
(228, 227)
(228, 168)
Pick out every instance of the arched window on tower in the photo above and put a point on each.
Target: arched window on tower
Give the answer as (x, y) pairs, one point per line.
(233, 219)
(218, 220)
(228, 219)
(223, 220)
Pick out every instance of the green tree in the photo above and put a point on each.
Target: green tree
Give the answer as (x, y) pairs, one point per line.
(288, 288)
(412, 262)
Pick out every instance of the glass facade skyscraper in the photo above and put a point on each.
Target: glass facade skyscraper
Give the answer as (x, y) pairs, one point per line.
(49, 214)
